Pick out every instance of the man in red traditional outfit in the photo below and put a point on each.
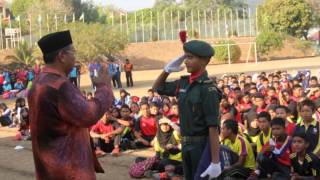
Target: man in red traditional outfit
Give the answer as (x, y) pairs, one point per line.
(60, 115)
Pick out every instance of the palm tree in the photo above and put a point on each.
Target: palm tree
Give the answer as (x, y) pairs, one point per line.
(23, 54)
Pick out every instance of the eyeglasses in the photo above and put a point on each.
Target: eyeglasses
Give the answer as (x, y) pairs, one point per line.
(70, 51)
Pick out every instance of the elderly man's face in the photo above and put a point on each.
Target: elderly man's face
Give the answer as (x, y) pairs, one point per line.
(69, 58)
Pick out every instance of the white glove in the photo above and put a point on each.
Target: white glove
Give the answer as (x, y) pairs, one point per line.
(213, 171)
(175, 65)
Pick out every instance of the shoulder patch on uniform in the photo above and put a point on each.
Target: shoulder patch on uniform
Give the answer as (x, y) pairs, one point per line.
(308, 158)
(209, 81)
(212, 88)
(182, 90)
(293, 155)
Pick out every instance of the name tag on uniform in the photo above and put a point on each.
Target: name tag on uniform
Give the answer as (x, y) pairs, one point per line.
(182, 90)
(315, 131)
(212, 89)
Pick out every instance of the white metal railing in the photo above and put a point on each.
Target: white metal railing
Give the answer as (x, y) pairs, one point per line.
(228, 45)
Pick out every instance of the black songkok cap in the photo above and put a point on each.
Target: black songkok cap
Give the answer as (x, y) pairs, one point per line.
(54, 41)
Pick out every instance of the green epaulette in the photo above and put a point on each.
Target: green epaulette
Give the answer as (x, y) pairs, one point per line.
(293, 155)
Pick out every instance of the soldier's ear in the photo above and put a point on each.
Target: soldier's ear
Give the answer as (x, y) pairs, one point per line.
(205, 60)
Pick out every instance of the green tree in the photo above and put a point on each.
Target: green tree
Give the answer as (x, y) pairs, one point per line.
(268, 41)
(287, 16)
(44, 13)
(95, 39)
(214, 4)
(162, 5)
(90, 10)
(20, 7)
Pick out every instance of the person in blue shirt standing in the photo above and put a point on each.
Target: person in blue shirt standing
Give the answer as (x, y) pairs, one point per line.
(78, 66)
(118, 74)
(91, 72)
(30, 75)
(112, 72)
(6, 75)
(73, 76)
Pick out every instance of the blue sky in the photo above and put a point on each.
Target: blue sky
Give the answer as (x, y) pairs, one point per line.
(128, 5)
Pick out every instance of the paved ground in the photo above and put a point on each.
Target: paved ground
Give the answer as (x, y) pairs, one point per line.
(18, 164)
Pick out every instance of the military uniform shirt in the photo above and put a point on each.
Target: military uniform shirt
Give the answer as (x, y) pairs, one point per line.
(313, 133)
(198, 103)
(309, 167)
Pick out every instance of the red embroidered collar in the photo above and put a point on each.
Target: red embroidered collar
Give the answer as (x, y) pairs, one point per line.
(194, 76)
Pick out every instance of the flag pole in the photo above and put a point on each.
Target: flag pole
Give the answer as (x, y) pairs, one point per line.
(65, 18)
(219, 32)
(244, 22)
(40, 25)
(164, 25)
(212, 30)
(135, 26)
(1, 32)
(205, 23)
(171, 24)
(250, 25)
(238, 29)
(30, 30)
(179, 28)
(56, 21)
(185, 20)
(199, 24)
(151, 25)
(158, 24)
(11, 34)
(48, 28)
(20, 38)
(192, 26)
(127, 26)
(231, 21)
(121, 22)
(142, 24)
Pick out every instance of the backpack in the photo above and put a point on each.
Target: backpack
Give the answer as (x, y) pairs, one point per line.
(137, 169)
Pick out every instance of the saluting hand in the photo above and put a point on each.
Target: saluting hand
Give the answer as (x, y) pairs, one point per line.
(175, 65)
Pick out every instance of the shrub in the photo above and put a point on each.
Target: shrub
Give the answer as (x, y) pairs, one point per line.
(221, 52)
(23, 54)
(233, 33)
(268, 41)
(303, 45)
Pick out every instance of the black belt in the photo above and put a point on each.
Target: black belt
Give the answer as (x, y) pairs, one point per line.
(190, 139)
